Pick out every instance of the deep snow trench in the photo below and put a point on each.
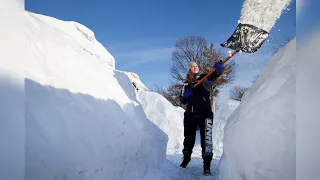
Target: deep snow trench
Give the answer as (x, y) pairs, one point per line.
(85, 120)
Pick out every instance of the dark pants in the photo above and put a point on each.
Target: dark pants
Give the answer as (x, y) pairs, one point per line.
(191, 122)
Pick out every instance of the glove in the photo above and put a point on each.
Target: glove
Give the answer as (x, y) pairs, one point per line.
(187, 94)
(218, 66)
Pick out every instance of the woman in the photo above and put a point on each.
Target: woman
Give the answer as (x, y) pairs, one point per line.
(198, 113)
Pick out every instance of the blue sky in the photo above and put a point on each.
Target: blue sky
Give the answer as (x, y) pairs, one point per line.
(141, 34)
(307, 17)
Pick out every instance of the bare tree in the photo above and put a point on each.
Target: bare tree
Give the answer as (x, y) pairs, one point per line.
(171, 93)
(237, 92)
(187, 49)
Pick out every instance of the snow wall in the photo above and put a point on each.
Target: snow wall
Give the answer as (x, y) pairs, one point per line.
(259, 139)
(83, 117)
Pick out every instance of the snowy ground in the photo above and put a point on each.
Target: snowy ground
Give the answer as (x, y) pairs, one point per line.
(194, 169)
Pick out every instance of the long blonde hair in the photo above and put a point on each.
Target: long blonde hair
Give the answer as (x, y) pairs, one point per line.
(191, 77)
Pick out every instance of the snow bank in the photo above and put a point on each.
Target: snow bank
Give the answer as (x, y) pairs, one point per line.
(259, 141)
(166, 116)
(76, 35)
(307, 105)
(83, 117)
(220, 118)
(12, 134)
(136, 82)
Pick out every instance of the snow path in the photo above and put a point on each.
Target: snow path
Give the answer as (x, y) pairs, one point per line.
(170, 120)
(194, 169)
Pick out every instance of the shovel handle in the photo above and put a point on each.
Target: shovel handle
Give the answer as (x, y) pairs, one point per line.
(212, 71)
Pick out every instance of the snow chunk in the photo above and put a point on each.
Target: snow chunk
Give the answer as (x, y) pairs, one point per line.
(262, 13)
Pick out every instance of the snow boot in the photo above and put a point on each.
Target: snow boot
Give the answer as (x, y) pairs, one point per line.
(207, 172)
(186, 160)
(206, 166)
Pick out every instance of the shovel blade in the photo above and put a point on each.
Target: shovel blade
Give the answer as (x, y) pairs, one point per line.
(246, 38)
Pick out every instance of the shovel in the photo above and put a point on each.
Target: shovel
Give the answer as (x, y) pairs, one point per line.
(246, 38)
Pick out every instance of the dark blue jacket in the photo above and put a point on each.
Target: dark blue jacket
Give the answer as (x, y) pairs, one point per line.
(199, 102)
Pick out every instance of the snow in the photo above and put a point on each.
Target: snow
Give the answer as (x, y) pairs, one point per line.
(83, 117)
(73, 115)
(299, 6)
(308, 88)
(11, 91)
(170, 119)
(259, 139)
(262, 13)
(166, 116)
(77, 35)
(220, 118)
(135, 80)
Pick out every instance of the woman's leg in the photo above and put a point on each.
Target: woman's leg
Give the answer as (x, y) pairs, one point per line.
(206, 140)
(190, 129)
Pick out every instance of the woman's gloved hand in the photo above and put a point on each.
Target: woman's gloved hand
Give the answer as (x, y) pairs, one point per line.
(187, 94)
(218, 66)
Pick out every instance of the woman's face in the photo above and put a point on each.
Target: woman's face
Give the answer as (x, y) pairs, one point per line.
(194, 68)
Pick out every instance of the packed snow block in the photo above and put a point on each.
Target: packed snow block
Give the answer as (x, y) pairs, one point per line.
(83, 118)
(259, 139)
